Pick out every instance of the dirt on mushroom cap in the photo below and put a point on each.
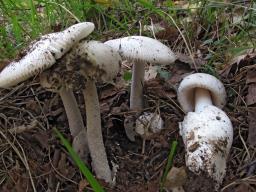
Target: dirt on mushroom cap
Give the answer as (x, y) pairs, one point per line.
(94, 60)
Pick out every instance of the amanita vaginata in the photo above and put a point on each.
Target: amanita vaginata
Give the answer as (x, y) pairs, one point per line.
(206, 130)
(141, 50)
(95, 62)
(40, 56)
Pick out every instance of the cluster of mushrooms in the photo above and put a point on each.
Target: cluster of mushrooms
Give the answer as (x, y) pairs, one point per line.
(64, 60)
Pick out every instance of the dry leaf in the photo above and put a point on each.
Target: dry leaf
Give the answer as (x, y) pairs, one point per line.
(151, 73)
(175, 178)
(251, 75)
(188, 60)
(252, 126)
(251, 96)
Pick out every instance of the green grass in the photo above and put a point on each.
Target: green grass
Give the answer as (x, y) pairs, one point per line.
(80, 164)
(169, 163)
(23, 21)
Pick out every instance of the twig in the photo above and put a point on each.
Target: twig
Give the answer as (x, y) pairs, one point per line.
(22, 158)
(23, 128)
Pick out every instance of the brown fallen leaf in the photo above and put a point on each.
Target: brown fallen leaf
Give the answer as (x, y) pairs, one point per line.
(238, 62)
(169, 33)
(188, 60)
(243, 187)
(175, 178)
(252, 126)
(251, 75)
(251, 96)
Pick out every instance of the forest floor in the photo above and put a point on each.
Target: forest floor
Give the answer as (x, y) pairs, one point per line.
(211, 37)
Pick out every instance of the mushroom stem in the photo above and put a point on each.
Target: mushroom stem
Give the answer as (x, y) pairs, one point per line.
(202, 99)
(136, 97)
(75, 121)
(94, 134)
(74, 116)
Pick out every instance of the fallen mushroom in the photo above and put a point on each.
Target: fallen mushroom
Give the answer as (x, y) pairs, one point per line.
(141, 50)
(206, 130)
(97, 62)
(42, 55)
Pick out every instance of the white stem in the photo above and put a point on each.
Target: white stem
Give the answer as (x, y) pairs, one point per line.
(202, 99)
(136, 97)
(74, 116)
(94, 134)
(75, 121)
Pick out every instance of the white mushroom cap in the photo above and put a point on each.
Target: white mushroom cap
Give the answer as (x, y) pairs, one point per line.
(95, 59)
(208, 137)
(140, 48)
(44, 53)
(200, 80)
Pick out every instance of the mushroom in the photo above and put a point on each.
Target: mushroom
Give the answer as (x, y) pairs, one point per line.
(206, 130)
(42, 55)
(141, 50)
(95, 62)
(53, 81)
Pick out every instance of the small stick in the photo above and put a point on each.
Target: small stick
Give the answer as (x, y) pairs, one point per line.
(23, 128)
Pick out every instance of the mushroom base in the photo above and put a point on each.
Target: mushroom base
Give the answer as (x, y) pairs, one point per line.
(207, 136)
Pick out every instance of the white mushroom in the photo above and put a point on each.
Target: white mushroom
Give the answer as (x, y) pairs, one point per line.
(206, 130)
(42, 55)
(96, 62)
(141, 50)
(53, 81)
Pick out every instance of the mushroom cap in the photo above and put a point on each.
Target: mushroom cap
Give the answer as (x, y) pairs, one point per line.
(151, 121)
(94, 60)
(144, 49)
(200, 80)
(43, 54)
(208, 137)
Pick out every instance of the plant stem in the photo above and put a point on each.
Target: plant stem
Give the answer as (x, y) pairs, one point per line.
(136, 97)
(94, 133)
(202, 99)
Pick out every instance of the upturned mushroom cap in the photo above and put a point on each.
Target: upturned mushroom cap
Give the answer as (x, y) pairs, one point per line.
(43, 54)
(149, 122)
(95, 60)
(208, 137)
(186, 90)
(140, 48)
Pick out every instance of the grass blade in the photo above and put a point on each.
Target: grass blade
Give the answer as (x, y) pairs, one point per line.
(169, 163)
(82, 167)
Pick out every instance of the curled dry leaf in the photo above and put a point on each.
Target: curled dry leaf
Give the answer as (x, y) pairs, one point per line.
(252, 125)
